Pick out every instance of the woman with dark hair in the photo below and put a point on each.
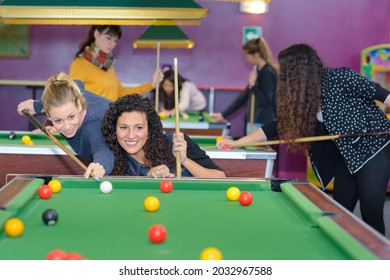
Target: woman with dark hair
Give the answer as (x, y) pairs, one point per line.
(262, 83)
(134, 132)
(191, 99)
(314, 101)
(94, 64)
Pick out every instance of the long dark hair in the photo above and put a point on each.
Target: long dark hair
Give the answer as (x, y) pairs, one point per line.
(157, 148)
(113, 30)
(164, 98)
(299, 91)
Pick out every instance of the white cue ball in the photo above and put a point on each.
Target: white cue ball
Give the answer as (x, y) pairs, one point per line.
(105, 187)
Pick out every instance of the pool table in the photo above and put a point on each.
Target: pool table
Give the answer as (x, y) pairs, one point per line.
(192, 125)
(44, 157)
(287, 220)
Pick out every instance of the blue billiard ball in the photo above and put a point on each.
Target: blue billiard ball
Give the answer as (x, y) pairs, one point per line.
(200, 118)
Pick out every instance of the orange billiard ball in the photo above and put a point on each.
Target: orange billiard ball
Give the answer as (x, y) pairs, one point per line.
(151, 204)
(14, 227)
(45, 192)
(157, 233)
(211, 253)
(57, 254)
(166, 186)
(246, 198)
(233, 193)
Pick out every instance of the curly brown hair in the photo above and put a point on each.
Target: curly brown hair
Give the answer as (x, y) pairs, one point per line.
(299, 92)
(157, 148)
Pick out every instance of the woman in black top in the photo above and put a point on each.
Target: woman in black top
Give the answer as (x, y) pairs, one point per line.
(317, 101)
(262, 83)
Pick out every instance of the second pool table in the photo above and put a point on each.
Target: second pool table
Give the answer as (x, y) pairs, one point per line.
(44, 157)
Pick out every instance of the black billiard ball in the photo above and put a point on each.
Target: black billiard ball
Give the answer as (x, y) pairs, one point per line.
(11, 135)
(50, 217)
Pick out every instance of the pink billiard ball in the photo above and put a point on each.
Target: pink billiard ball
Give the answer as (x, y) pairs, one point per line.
(157, 233)
(45, 192)
(245, 198)
(166, 186)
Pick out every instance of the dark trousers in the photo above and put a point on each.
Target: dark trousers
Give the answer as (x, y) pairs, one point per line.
(368, 185)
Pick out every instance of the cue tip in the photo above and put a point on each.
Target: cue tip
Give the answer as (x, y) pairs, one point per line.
(97, 179)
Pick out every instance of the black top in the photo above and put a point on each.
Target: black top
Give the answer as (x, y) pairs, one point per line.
(348, 107)
(265, 97)
(194, 152)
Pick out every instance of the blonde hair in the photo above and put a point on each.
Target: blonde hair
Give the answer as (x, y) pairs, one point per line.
(60, 90)
(260, 45)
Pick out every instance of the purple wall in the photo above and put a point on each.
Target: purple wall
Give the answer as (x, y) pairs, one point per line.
(339, 30)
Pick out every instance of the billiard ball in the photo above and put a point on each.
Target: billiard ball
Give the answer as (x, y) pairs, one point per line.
(12, 135)
(233, 193)
(200, 119)
(219, 138)
(50, 217)
(14, 227)
(185, 116)
(45, 192)
(105, 187)
(57, 254)
(162, 115)
(157, 233)
(26, 139)
(166, 186)
(211, 253)
(74, 256)
(246, 198)
(151, 204)
(227, 147)
(55, 185)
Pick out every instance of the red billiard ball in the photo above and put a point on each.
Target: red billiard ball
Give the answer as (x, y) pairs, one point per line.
(57, 254)
(227, 147)
(157, 233)
(166, 186)
(45, 192)
(246, 198)
(75, 256)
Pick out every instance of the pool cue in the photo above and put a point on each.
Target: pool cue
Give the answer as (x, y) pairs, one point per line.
(156, 101)
(177, 116)
(55, 140)
(309, 139)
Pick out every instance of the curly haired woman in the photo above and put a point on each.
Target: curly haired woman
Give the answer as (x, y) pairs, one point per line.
(314, 101)
(134, 132)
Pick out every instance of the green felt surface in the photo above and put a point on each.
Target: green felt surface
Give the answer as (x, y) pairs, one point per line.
(196, 214)
(37, 139)
(192, 117)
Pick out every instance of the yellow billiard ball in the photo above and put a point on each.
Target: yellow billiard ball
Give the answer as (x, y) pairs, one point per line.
(55, 185)
(233, 193)
(151, 204)
(211, 253)
(26, 139)
(162, 115)
(14, 227)
(219, 138)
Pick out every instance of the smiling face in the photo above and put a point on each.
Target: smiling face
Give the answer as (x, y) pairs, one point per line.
(67, 118)
(132, 133)
(104, 41)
